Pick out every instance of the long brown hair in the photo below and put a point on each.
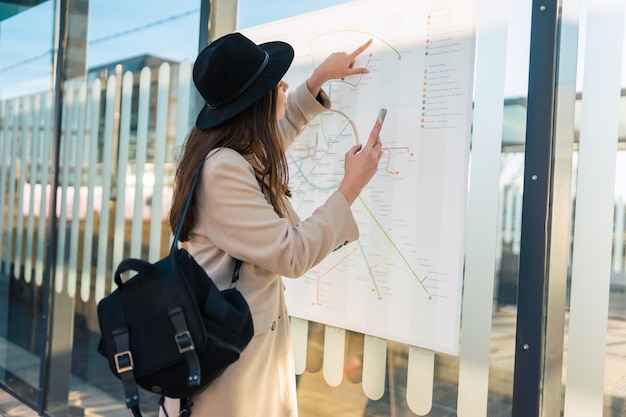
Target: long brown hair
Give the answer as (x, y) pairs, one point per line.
(251, 132)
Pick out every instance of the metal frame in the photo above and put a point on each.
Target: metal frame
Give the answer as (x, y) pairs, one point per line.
(55, 362)
(544, 238)
(551, 397)
(58, 309)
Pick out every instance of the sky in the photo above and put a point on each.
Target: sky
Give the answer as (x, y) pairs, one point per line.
(119, 29)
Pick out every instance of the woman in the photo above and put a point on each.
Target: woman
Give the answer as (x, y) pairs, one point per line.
(241, 208)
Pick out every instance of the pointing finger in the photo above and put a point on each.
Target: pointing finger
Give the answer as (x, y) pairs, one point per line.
(361, 48)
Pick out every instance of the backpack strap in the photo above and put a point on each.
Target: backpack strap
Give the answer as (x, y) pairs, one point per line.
(184, 341)
(185, 344)
(184, 410)
(182, 335)
(124, 358)
(187, 205)
(235, 278)
(185, 407)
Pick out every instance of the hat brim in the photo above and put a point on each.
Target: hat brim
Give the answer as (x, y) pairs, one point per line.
(280, 57)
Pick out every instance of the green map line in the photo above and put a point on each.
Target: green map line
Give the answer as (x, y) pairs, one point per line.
(306, 178)
(307, 182)
(398, 251)
(329, 145)
(370, 272)
(348, 119)
(371, 35)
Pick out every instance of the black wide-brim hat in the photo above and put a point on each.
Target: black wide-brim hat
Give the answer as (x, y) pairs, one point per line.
(233, 72)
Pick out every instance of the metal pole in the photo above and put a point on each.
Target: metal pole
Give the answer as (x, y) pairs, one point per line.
(58, 308)
(49, 271)
(203, 33)
(534, 248)
(203, 41)
(551, 400)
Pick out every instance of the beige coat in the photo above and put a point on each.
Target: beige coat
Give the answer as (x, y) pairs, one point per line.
(235, 219)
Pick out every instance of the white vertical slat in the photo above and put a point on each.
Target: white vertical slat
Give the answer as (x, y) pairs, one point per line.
(67, 142)
(420, 380)
(30, 228)
(623, 220)
(30, 223)
(299, 337)
(5, 150)
(517, 225)
(26, 121)
(140, 161)
(159, 163)
(92, 151)
(499, 238)
(32, 181)
(107, 156)
(618, 244)
(184, 100)
(509, 210)
(46, 146)
(491, 42)
(122, 165)
(499, 232)
(591, 260)
(12, 178)
(334, 347)
(78, 161)
(374, 366)
(185, 87)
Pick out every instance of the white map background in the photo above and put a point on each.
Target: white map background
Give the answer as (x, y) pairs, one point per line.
(402, 280)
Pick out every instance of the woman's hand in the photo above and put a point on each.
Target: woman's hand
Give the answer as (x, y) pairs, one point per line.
(361, 165)
(336, 66)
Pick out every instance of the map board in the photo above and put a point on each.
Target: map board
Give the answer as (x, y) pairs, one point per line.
(402, 279)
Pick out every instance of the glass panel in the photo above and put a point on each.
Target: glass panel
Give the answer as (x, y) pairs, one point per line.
(615, 371)
(122, 122)
(316, 396)
(596, 294)
(26, 42)
(127, 116)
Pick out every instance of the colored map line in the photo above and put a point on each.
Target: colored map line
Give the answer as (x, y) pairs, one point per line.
(348, 119)
(306, 153)
(367, 34)
(370, 271)
(360, 76)
(319, 275)
(395, 247)
(329, 144)
(388, 152)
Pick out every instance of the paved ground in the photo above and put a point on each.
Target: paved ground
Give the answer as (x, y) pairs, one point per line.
(10, 406)
(317, 399)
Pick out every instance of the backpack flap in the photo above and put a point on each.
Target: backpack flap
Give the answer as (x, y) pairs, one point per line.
(149, 303)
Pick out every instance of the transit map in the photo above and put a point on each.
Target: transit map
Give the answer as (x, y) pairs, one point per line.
(402, 280)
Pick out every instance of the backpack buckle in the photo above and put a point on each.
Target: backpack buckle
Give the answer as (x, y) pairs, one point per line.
(124, 362)
(184, 342)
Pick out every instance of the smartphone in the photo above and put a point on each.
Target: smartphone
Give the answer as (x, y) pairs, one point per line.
(379, 122)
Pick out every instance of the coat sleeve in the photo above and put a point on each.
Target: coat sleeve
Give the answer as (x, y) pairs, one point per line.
(301, 108)
(236, 217)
